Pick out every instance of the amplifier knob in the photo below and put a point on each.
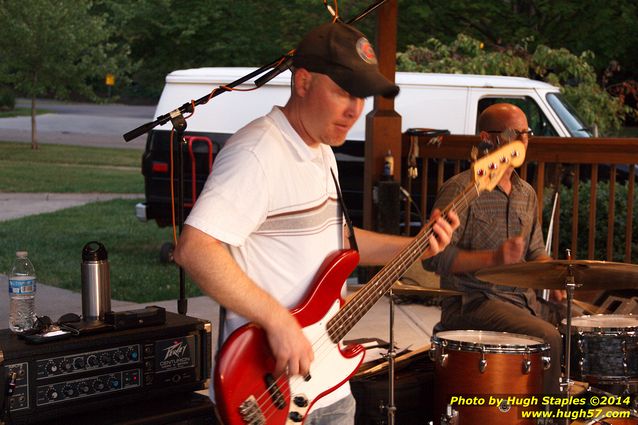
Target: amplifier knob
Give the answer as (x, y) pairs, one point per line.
(133, 354)
(83, 387)
(79, 363)
(120, 356)
(52, 367)
(106, 359)
(99, 385)
(68, 391)
(67, 366)
(52, 394)
(92, 361)
(114, 383)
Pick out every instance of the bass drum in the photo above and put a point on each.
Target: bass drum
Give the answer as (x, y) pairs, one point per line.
(413, 391)
(479, 365)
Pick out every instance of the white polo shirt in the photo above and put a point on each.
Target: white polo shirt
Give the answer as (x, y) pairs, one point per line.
(271, 200)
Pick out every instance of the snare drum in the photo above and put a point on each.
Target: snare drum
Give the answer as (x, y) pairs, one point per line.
(604, 348)
(480, 364)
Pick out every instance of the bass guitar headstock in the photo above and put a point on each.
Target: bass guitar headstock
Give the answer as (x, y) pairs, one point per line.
(489, 169)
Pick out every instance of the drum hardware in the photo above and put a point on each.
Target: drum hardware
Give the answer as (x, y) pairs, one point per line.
(527, 364)
(391, 355)
(442, 358)
(547, 362)
(606, 348)
(399, 288)
(484, 362)
(564, 274)
(570, 285)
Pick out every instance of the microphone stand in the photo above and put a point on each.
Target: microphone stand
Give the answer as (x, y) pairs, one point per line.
(176, 117)
(179, 124)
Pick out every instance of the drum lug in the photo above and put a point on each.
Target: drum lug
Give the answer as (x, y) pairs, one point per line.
(547, 362)
(527, 366)
(581, 342)
(482, 363)
(443, 359)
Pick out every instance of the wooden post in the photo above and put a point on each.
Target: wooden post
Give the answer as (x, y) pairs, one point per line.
(383, 123)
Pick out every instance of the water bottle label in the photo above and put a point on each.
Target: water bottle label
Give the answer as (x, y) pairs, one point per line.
(22, 287)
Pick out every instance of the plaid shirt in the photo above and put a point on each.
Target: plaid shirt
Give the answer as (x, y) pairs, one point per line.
(489, 221)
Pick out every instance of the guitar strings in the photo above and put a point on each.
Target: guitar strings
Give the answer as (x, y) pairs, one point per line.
(405, 258)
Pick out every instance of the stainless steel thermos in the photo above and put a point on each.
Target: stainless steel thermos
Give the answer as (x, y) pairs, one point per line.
(96, 282)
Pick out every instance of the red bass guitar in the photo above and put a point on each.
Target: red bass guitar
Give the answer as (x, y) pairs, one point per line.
(247, 391)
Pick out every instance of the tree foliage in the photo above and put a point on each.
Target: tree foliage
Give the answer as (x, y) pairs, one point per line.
(574, 74)
(165, 35)
(56, 47)
(602, 220)
(607, 28)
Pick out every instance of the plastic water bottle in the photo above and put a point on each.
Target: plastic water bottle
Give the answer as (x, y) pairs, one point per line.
(22, 294)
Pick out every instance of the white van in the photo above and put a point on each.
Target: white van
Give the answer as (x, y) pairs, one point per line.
(440, 101)
(445, 101)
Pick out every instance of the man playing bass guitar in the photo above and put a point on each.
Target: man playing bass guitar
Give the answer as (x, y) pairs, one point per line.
(269, 214)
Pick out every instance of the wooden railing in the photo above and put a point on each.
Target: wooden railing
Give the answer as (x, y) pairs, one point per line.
(551, 162)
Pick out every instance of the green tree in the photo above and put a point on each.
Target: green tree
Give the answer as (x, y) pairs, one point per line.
(607, 28)
(572, 73)
(56, 47)
(165, 35)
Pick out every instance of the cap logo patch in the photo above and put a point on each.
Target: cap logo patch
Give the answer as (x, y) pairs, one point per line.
(365, 51)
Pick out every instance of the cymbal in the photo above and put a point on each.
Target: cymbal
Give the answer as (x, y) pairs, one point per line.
(588, 274)
(400, 288)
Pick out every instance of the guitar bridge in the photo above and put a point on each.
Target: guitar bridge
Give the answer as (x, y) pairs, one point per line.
(251, 413)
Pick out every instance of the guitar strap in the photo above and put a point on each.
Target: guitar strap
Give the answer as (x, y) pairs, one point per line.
(351, 237)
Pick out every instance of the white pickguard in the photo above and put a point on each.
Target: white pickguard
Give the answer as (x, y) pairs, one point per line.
(329, 369)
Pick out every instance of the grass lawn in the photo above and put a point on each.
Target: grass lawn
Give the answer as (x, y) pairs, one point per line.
(21, 112)
(63, 169)
(55, 240)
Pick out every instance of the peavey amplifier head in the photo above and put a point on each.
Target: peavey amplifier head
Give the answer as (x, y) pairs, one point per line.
(70, 376)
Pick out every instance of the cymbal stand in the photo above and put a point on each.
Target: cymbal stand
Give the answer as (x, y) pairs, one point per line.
(570, 286)
(390, 355)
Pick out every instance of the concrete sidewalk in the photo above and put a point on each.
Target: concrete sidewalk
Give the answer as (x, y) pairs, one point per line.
(16, 205)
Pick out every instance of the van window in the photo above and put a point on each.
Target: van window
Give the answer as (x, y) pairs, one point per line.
(568, 116)
(536, 119)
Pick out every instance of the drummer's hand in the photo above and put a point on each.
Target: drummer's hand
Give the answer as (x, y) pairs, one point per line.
(511, 251)
(558, 295)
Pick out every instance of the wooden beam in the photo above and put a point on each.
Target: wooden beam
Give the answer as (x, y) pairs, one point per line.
(383, 123)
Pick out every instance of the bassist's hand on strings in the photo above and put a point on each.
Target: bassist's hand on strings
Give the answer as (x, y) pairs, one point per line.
(443, 229)
(292, 351)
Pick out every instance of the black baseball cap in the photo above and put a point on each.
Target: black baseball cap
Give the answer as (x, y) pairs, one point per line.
(346, 56)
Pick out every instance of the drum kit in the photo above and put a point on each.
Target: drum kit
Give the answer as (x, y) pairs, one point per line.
(601, 350)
